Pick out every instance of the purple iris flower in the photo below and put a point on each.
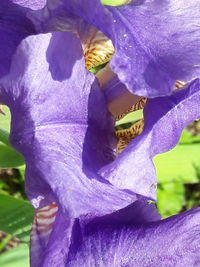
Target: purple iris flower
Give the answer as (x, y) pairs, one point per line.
(92, 207)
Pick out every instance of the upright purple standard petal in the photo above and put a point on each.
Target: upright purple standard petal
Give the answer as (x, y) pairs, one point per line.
(14, 27)
(172, 242)
(156, 42)
(165, 118)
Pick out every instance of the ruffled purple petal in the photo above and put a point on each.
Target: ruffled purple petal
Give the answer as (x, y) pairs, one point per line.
(156, 42)
(61, 125)
(165, 119)
(52, 232)
(14, 27)
(172, 242)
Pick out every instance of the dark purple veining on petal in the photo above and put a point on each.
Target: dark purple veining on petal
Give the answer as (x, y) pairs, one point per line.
(170, 242)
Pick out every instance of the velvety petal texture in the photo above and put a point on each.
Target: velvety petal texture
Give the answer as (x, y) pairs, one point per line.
(156, 42)
(172, 242)
(14, 27)
(164, 120)
(61, 125)
(53, 232)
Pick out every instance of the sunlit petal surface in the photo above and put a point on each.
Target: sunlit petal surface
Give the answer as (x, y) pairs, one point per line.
(171, 242)
(55, 236)
(32, 4)
(164, 120)
(97, 48)
(61, 125)
(156, 42)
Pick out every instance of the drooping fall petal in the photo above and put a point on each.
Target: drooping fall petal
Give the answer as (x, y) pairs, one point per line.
(171, 242)
(53, 231)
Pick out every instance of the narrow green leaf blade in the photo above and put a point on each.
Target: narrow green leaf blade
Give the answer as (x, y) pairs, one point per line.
(5, 119)
(16, 217)
(114, 2)
(16, 257)
(131, 117)
(9, 158)
(4, 136)
(179, 163)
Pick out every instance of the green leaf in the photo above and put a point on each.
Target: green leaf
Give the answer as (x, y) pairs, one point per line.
(187, 138)
(174, 169)
(9, 158)
(179, 163)
(22, 170)
(131, 117)
(16, 217)
(170, 198)
(4, 136)
(5, 119)
(5, 241)
(114, 2)
(16, 257)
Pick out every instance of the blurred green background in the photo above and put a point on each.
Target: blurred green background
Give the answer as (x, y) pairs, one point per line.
(178, 174)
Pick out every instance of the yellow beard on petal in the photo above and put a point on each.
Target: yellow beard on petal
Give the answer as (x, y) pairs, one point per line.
(139, 105)
(126, 135)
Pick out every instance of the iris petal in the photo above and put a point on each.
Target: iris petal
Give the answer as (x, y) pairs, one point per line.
(61, 125)
(98, 49)
(53, 231)
(170, 242)
(156, 42)
(14, 27)
(165, 118)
